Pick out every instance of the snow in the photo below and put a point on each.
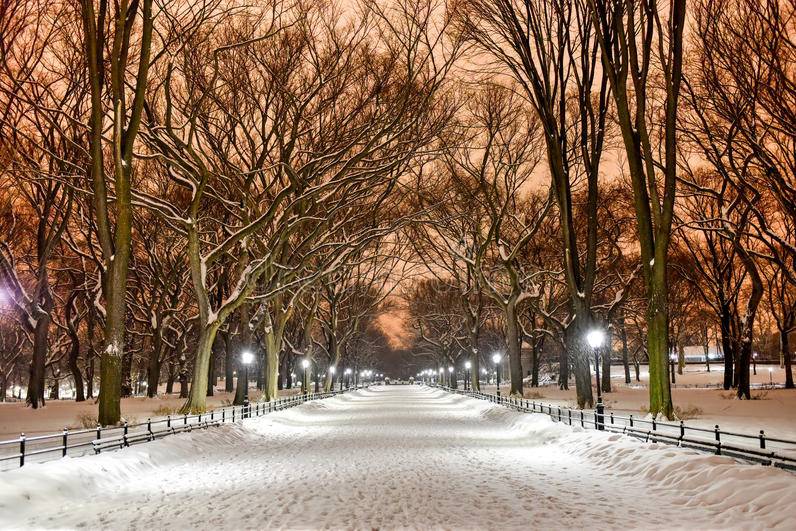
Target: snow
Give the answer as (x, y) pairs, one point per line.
(773, 410)
(398, 457)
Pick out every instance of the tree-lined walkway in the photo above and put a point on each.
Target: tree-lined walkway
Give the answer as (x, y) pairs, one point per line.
(387, 457)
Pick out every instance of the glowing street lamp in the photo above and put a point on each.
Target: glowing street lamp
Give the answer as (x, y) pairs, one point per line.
(595, 340)
(771, 376)
(246, 357)
(467, 366)
(305, 364)
(496, 360)
(347, 373)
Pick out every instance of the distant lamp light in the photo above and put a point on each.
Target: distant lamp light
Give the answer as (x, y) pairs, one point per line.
(305, 363)
(467, 365)
(496, 357)
(450, 369)
(595, 338)
(246, 357)
(332, 369)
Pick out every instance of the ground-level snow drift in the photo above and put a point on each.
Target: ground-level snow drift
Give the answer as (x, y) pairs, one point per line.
(398, 457)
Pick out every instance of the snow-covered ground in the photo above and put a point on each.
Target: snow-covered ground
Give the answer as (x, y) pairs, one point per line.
(398, 457)
(772, 410)
(16, 417)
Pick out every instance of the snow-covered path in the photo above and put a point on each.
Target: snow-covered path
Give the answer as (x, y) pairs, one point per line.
(397, 457)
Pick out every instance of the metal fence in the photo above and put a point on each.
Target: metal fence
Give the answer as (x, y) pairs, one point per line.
(17, 452)
(757, 448)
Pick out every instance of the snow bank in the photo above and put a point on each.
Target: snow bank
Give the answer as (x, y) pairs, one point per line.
(401, 457)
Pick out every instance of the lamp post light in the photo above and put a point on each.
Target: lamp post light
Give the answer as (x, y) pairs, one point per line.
(754, 363)
(347, 379)
(496, 361)
(305, 364)
(595, 339)
(771, 376)
(467, 366)
(246, 357)
(672, 359)
(451, 378)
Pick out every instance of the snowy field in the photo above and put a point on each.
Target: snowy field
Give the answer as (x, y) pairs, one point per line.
(772, 410)
(398, 457)
(16, 417)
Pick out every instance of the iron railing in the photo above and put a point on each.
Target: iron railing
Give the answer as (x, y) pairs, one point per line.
(755, 448)
(17, 452)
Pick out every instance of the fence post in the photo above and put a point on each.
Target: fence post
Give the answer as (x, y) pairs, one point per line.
(65, 441)
(569, 414)
(718, 439)
(654, 424)
(223, 415)
(184, 419)
(682, 430)
(125, 434)
(631, 420)
(168, 421)
(582, 425)
(22, 449)
(762, 440)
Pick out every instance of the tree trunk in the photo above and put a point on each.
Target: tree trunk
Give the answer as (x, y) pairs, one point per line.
(229, 365)
(197, 398)
(513, 339)
(183, 382)
(784, 349)
(77, 376)
(271, 366)
(153, 365)
(680, 356)
(563, 369)
(605, 376)
(623, 337)
(536, 347)
(726, 347)
(658, 347)
(36, 382)
(172, 374)
(580, 353)
(211, 372)
(127, 379)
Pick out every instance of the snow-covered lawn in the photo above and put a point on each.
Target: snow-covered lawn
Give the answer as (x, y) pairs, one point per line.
(398, 457)
(773, 410)
(16, 418)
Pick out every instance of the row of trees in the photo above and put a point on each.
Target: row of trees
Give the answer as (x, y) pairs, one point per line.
(618, 174)
(182, 181)
(204, 178)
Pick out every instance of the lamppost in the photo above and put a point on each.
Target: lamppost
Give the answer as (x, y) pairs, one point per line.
(771, 376)
(467, 366)
(246, 357)
(484, 374)
(305, 363)
(347, 379)
(451, 378)
(672, 359)
(441, 376)
(595, 339)
(754, 363)
(496, 361)
(333, 370)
